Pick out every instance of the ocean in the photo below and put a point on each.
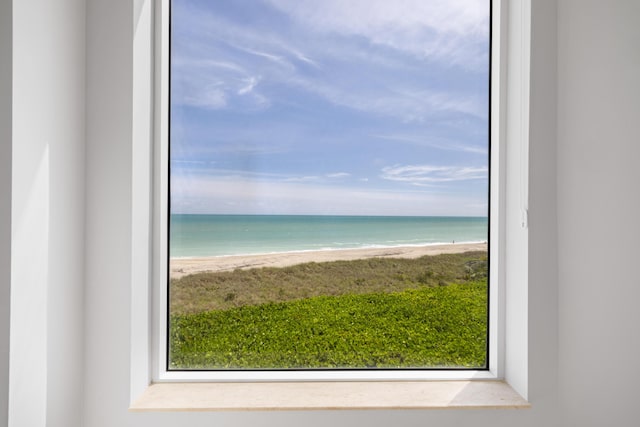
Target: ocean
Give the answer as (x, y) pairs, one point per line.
(219, 235)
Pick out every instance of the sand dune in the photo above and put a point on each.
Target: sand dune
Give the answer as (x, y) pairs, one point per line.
(185, 266)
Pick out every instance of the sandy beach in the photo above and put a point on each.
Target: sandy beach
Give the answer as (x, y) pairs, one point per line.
(185, 266)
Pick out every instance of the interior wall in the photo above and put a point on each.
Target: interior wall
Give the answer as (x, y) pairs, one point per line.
(47, 211)
(598, 205)
(65, 300)
(108, 212)
(542, 208)
(6, 98)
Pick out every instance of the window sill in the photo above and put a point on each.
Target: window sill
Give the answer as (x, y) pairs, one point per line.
(273, 396)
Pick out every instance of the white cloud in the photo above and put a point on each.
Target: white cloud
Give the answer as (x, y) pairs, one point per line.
(428, 141)
(443, 30)
(440, 29)
(210, 194)
(307, 178)
(305, 58)
(254, 176)
(429, 174)
(338, 175)
(363, 16)
(190, 162)
(206, 64)
(250, 83)
(206, 87)
(277, 59)
(405, 102)
(273, 177)
(210, 96)
(448, 101)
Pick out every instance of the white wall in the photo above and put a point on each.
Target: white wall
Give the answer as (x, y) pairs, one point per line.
(47, 210)
(108, 210)
(599, 205)
(543, 265)
(6, 42)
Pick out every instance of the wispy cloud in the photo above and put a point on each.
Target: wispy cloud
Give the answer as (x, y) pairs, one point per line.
(205, 194)
(408, 26)
(190, 162)
(433, 174)
(210, 96)
(207, 65)
(243, 174)
(338, 175)
(214, 93)
(278, 59)
(250, 84)
(435, 142)
(305, 178)
(472, 104)
(305, 59)
(410, 100)
(369, 16)
(438, 29)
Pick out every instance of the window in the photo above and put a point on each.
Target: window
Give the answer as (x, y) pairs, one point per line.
(296, 129)
(508, 299)
(398, 172)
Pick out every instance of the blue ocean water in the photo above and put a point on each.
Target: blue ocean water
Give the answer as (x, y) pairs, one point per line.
(218, 235)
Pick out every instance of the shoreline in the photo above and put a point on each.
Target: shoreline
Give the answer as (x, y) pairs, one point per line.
(180, 267)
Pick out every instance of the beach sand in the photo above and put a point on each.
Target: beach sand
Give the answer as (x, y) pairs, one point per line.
(185, 266)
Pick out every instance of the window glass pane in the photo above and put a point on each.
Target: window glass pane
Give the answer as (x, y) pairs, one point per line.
(329, 184)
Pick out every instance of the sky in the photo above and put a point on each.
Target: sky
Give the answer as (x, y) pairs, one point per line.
(332, 107)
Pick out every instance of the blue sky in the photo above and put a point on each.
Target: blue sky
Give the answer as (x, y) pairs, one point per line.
(361, 107)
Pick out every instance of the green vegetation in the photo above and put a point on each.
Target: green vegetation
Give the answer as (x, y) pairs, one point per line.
(221, 291)
(427, 312)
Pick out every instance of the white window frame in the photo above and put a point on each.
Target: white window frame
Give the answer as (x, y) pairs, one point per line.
(148, 339)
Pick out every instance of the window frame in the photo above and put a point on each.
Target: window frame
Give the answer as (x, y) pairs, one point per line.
(156, 314)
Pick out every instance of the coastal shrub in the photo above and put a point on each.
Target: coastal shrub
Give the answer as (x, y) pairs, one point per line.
(425, 327)
(211, 291)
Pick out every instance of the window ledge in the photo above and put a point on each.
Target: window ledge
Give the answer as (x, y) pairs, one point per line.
(328, 395)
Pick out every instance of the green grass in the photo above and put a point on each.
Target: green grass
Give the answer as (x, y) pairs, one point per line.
(428, 327)
(429, 312)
